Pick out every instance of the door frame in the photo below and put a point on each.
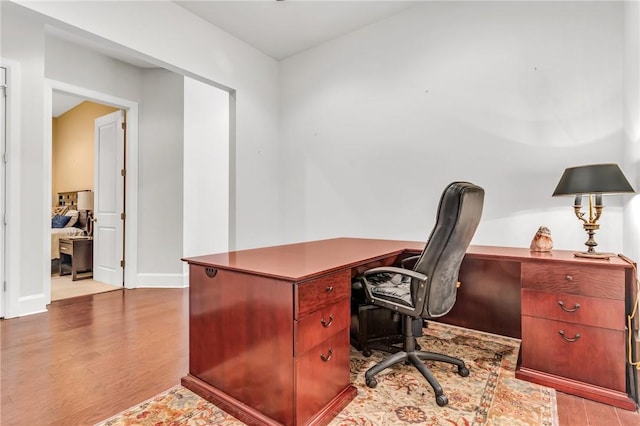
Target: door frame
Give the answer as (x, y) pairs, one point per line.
(131, 183)
(11, 273)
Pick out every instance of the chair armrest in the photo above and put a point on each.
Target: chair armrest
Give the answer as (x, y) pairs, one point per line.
(404, 262)
(395, 270)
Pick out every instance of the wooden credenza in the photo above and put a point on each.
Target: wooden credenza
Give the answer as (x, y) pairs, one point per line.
(570, 312)
(574, 330)
(269, 327)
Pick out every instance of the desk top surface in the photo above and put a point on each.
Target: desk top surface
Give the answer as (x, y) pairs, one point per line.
(305, 260)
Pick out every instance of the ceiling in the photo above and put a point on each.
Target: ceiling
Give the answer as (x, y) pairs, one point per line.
(63, 102)
(279, 29)
(283, 28)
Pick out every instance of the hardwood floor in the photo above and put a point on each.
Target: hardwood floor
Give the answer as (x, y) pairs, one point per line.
(91, 357)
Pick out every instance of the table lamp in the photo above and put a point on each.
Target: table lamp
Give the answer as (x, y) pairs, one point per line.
(592, 180)
(85, 203)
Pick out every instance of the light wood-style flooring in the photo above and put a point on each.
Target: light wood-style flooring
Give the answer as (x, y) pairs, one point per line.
(62, 287)
(91, 357)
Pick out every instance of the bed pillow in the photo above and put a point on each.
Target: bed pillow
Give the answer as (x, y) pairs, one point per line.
(73, 215)
(60, 221)
(58, 210)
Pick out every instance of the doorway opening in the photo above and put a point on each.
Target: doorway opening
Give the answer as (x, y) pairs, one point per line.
(129, 190)
(75, 160)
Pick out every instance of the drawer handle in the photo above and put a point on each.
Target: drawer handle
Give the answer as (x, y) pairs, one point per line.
(569, 339)
(575, 307)
(211, 272)
(326, 324)
(329, 289)
(326, 358)
(569, 277)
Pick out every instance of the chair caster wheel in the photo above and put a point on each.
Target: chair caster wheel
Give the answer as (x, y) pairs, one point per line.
(463, 371)
(372, 382)
(442, 400)
(366, 352)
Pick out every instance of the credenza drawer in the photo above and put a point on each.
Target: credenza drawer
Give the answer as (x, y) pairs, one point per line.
(588, 354)
(320, 325)
(321, 374)
(314, 294)
(606, 313)
(594, 281)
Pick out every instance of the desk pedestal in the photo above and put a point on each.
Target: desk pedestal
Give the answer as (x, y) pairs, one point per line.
(569, 312)
(248, 415)
(270, 351)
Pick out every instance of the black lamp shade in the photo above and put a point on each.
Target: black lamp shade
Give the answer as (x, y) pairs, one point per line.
(593, 179)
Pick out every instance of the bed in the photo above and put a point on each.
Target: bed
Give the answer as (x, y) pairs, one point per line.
(75, 225)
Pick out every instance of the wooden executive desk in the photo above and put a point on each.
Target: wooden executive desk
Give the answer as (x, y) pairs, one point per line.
(269, 327)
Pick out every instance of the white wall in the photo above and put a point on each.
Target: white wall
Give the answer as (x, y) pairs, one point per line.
(169, 35)
(632, 127)
(160, 177)
(206, 169)
(150, 28)
(504, 94)
(22, 41)
(86, 68)
(11, 190)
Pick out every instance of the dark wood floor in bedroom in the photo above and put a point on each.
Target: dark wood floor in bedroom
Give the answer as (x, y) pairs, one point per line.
(91, 357)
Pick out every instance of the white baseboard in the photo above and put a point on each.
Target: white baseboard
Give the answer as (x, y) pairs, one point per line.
(161, 281)
(37, 303)
(34, 304)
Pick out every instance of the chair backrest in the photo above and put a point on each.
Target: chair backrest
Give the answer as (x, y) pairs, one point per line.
(457, 219)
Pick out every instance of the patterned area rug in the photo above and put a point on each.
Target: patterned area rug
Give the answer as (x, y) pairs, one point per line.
(490, 395)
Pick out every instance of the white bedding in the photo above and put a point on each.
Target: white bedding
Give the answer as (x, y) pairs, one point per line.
(57, 233)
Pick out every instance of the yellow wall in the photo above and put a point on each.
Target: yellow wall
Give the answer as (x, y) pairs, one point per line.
(72, 150)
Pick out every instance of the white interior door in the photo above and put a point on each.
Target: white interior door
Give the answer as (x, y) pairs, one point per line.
(108, 235)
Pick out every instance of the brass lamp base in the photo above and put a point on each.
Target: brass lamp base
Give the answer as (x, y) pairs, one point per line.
(591, 226)
(594, 255)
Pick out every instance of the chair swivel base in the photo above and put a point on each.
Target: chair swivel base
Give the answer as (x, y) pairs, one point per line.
(374, 328)
(416, 358)
(389, 344)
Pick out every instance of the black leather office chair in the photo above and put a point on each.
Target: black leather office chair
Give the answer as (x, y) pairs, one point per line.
(429, 289)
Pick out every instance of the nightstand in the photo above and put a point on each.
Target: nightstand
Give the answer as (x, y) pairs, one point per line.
(76, 256)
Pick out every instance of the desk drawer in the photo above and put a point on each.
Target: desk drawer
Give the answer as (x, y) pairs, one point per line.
(594, 281)
(314, 294)
(321, 374)
(606, 313)
(320, 325)
(66, 247)
(588, 354)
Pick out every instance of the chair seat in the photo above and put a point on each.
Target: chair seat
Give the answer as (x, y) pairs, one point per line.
(392, 287)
